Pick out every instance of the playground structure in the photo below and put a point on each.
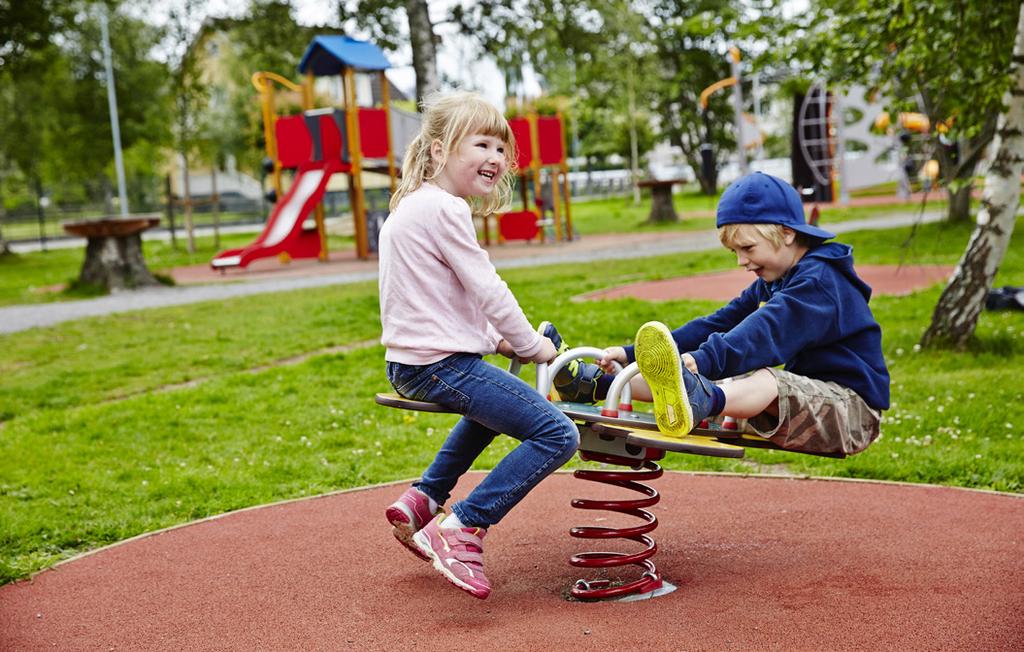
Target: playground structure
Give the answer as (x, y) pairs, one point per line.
(744, 122)
(841, 141)
(826, 124)
(540, 143)
(317, 144)
(615, 435)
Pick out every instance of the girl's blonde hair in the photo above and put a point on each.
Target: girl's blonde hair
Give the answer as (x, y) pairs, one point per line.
(449, 119)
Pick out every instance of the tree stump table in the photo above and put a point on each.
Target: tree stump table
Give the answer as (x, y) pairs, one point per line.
(113, 253)
(662, 209)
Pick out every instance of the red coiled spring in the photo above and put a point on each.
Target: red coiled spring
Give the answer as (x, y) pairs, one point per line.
(650, 580)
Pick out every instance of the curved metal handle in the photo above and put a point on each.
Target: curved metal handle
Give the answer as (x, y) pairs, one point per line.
(619, 392)
(619, 388)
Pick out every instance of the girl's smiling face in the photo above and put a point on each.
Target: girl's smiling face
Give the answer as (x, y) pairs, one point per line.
(757, 254)
(474, 167)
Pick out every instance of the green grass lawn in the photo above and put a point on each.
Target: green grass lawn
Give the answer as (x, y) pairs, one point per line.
(48, 276)
(114, 426)
(43, 277)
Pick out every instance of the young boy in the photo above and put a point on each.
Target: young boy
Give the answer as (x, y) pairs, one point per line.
(807, 310)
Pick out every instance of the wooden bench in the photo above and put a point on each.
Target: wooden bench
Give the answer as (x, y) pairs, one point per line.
(113, 252)
(662, 208)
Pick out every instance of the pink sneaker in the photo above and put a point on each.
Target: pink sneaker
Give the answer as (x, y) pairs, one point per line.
(457, 554)
(408, 514)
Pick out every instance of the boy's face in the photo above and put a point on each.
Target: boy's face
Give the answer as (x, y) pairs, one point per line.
(757, 254)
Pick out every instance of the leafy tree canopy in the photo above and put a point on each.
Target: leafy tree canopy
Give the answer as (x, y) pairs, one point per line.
(946, 58)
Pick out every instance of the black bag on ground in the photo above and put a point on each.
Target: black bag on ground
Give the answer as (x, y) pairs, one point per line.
(1005, 298)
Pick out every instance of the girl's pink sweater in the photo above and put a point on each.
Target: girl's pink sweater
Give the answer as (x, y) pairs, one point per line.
(439, 292)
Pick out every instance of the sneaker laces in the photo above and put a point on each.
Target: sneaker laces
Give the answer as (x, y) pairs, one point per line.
(573, 366)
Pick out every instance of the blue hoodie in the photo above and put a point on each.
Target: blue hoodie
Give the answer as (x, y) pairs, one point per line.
(815, 320)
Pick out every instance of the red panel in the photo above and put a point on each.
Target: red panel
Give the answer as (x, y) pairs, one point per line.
(549, 133)
(521, 132)
(330, 138)
(373, 133)
(294, 146)
(518, 225)
(305, 244)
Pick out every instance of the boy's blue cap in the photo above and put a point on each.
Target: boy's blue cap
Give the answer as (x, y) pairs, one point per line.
(760, 198)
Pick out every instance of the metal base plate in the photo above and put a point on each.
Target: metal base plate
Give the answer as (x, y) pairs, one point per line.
(664, 589)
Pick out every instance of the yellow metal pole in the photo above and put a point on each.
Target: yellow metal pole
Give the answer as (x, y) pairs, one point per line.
(563, 168)
(556, 201)
(385, 98)
(556, 194)
(269, 134)
(307, 91)
(263, 83)
(538, 189)
(717, 86)
(356, 156)
(318, 211)
(568, 203)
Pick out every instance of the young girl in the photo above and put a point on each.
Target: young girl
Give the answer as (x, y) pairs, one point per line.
(443, 306)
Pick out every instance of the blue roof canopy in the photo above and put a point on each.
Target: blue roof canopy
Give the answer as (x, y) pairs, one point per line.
(329, 55)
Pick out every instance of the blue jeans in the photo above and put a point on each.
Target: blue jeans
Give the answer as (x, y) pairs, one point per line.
(492, 401)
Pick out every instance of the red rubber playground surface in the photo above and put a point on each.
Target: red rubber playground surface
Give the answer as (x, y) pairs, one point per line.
(895, 280)
(761, 563)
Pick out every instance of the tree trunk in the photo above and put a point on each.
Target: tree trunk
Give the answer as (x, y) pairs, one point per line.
(5, 248)
(662, 209)
(959, 210)
(957, 165)
(960, 305)
(116, 263)
(708, 186)
(424, 52)
(215, 198)
(186, 196)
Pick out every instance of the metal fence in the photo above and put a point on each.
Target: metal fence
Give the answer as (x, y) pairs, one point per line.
(43, 227)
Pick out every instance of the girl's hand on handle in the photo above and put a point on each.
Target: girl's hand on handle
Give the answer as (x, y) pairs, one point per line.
(505, 349)
(547, 352)
(611, 355)
(689, 362)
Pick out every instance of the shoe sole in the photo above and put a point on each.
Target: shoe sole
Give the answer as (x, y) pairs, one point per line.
(658, 360)
(423, 546)
(403, 530)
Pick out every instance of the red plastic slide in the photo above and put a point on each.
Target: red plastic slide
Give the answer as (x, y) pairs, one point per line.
(284, 230)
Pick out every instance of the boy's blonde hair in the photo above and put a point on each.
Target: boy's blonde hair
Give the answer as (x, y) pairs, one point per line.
(449, 119)
(733, 235)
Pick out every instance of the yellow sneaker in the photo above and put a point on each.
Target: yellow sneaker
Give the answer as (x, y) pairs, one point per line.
(659, 363)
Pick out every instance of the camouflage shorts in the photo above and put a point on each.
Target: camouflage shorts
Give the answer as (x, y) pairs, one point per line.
(817, 416)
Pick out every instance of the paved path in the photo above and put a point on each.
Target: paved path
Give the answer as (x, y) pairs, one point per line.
(202, 284)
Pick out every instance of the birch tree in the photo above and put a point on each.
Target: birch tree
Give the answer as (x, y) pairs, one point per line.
(191, 97)
(424, 48)
(959, 307)
(382, 18)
